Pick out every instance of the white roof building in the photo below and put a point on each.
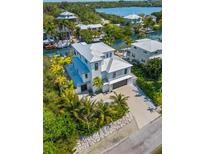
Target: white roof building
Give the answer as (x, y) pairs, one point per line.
(148, 45)
(92, 52)
(100, 61)
(66, 16)
(113, 64)
(145, 49)
(133, 17)
(90, 26)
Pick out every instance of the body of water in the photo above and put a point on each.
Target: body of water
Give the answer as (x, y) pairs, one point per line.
(157, 35)
(124, 11)
(52, 52)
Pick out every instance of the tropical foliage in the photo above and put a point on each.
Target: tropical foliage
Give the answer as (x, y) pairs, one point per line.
(66, 117)
(87, 14)
(149, 79)
(98, 82)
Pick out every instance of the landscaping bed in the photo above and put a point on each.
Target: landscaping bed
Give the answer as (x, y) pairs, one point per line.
(150, 84)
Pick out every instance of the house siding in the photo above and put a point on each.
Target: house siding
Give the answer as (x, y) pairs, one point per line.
(141, 55)
(119, 74)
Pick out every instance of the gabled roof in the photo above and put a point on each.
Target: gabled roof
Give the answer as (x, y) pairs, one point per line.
(133, 16)
(66, 13)
(66, 17)
(80, 66)
(90, 26)
(77, 80)
(114, 64)
(148, 45)
(92, 52)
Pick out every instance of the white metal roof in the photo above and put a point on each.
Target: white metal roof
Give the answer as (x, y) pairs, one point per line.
(133, 16)
(148, 45)
(114, 64)
(66, 17)
(66, 13)
(90, 26)
(92, 52)
(156, 56)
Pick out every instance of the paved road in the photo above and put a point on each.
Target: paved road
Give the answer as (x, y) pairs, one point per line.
(143, 141)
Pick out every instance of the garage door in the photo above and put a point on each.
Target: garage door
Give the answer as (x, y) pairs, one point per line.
(119, 84)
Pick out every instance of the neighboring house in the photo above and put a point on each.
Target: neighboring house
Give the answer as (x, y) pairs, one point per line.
(97, 27)
(104, 22)
(133, 18)
(144, 49)
(93, 27)
(47, 39)
(67, 16)
(97, 60)
(154, 18)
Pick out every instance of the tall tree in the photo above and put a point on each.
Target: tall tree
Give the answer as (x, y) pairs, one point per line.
(104, 113)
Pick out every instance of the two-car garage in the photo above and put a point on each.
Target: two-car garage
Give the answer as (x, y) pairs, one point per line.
(119, 84)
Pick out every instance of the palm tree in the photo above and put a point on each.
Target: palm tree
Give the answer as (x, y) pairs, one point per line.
(55, 69)
(120, 100)
(98, 82)
(85, 112)
(104, 113)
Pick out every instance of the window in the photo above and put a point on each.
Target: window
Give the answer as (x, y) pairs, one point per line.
(86, 76)
(128, 53)
(114, 75)
(107, 55)
(96, 66)
(145, 52)
(125, 71)
(111, 54)
(135, 47)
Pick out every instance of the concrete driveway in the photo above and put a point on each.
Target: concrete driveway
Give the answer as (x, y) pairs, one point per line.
(138, 104)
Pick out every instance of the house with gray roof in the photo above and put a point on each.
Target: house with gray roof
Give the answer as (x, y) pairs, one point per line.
(133, 18)
(67, 16)
(90, 26)
(97, 60)
(144, 49)
(93, 27)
